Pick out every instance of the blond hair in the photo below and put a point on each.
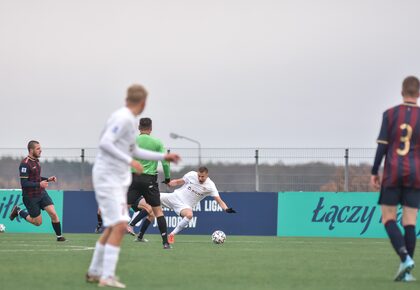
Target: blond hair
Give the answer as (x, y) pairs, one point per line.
(136, 94)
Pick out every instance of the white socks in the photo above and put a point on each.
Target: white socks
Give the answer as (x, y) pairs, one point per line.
(95, 267)
(182, 225)
(110, 261)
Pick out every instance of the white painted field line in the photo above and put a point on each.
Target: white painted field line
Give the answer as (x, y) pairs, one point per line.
(58, 249)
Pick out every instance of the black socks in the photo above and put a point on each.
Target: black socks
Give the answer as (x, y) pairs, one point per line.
(410, 239)
(23, 214)
(161, 221)
(397, 239)
(57, 228)
(139, 217)
(144, 227)
(99, 219)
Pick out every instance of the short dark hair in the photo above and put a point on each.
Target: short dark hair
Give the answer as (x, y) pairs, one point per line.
(31, 144)
(203, 169)
(145, 124)
(410, 86)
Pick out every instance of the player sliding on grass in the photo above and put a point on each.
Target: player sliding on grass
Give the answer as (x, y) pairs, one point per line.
(111, 177)
(195, 187)
(34, 195)
(399, 140)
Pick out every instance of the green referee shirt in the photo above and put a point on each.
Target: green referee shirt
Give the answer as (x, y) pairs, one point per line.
(148, 142)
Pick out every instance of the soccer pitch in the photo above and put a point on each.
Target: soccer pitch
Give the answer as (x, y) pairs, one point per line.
(36, 261)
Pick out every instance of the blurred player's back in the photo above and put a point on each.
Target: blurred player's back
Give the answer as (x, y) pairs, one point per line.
(120, 129)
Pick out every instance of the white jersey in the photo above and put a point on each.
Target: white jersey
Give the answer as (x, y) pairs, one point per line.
(192, 192)
(120, 129)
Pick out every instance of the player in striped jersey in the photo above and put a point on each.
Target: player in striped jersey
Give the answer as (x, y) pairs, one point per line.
(399, 141)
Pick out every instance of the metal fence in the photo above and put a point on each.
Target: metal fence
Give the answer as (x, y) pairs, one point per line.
(232, 169)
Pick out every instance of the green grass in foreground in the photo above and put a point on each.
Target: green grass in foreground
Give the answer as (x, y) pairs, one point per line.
(36, 261)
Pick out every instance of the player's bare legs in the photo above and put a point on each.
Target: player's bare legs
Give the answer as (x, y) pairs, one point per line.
(103, 265)
(36, 221)
(50, 209)
(388, 213)
(187, 215)
(117, 234)
(143, 205)
(389, 219)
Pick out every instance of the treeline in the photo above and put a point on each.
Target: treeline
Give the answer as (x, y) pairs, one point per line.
(314, 176)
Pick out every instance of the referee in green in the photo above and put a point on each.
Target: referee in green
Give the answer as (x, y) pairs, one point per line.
(146, 184)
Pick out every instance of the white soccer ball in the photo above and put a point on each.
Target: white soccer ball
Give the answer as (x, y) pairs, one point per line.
(218, 237)
(2, 228)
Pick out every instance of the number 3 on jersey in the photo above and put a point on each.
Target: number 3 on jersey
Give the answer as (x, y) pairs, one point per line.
(405, 139)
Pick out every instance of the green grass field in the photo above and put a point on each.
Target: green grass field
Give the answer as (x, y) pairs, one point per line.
(36, 261)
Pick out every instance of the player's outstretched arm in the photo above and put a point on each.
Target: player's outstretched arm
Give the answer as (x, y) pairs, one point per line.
(223, 205)
(176, 182)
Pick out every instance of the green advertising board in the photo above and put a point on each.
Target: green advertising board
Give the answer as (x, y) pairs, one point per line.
(330, 214)
(10, 198)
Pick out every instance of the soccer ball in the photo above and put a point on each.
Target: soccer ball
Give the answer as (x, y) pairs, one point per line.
(218, 237)
(2, 228)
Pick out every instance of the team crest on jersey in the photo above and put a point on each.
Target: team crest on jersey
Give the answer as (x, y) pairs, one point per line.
(23, 170)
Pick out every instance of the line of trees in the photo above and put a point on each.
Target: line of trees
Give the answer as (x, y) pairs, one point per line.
(314, 176)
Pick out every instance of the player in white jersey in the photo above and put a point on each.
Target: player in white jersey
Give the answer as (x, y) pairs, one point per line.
(195, 187)
(111, 178)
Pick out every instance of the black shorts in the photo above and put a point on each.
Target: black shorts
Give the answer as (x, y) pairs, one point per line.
(406, 196)
(35, 204)
(146, 186)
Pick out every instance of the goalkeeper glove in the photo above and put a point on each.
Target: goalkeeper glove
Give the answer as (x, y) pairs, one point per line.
(230, 210)
(167, 180)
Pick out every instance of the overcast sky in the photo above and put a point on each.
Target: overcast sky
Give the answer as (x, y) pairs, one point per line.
(230, 73)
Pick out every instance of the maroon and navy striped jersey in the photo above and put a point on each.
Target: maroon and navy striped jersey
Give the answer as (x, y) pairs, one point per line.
(400, 130)
(30, 177)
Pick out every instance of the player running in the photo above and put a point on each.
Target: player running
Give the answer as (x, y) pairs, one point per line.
(399, 140)
(34, 196)
(111, 178)
(146, 185)
(195, 187)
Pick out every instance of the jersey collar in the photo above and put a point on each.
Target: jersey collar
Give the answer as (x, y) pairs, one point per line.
(33, 159)
(410, 104)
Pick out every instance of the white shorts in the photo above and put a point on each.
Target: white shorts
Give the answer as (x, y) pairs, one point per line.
(172, 201)
(112, 202)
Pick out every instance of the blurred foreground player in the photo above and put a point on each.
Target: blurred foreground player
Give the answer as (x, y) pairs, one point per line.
(399, 140)
(34, 196)
(111, 178)
(195, 187)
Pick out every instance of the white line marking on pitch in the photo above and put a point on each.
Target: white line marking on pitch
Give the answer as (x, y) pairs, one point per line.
(67, 249)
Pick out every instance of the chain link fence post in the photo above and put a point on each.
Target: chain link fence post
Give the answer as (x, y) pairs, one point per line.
(346, 170)
(82, 169)
(257, 171)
